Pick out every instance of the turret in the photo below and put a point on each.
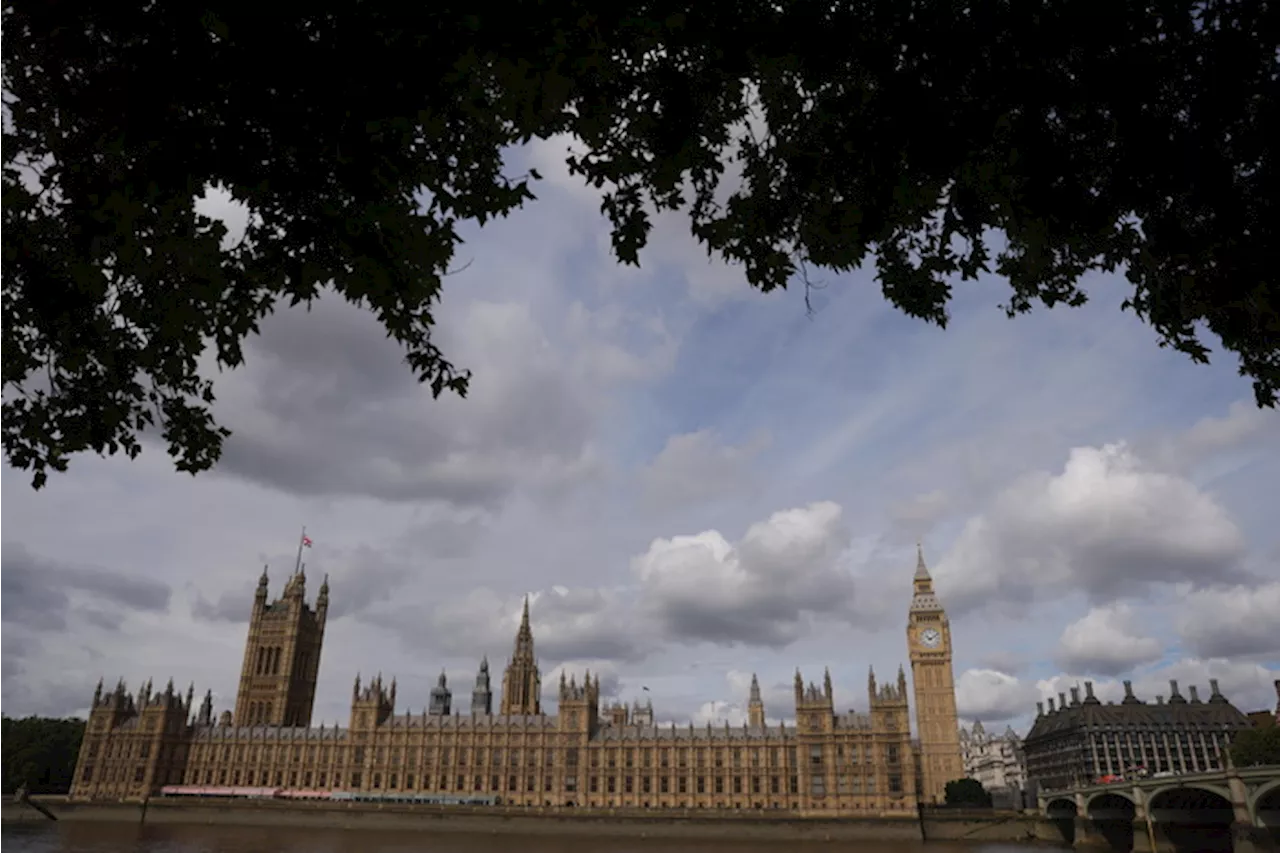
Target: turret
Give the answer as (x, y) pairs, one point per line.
(374, 705)
(482, 694)
(441, 697)
(322, 602)
(755, 705)
(206, 710)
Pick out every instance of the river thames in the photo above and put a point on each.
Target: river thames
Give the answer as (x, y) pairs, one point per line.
(78, 837)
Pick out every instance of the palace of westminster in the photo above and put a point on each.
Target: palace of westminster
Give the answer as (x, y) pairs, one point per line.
(856, 763)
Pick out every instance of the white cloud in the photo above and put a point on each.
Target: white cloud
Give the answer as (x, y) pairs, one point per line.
(761, 590)
(1106, 526)
(992, 696)
(1243, 425)
(1106, 641)
(698, 466)
(1237, 621)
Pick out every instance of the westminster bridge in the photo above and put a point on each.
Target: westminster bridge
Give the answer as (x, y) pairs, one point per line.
(1227, 810)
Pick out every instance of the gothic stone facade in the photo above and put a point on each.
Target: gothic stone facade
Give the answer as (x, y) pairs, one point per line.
(994, 760)
(1077, 742)
(854, 763)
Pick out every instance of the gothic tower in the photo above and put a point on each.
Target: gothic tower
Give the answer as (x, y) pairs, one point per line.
(481, 695)
(441, 698)
(755, 705)
(282, 655)
(929, 641)
(521, 683)
(579, 707)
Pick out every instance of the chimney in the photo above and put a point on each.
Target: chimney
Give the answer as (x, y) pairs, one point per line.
(1088, 692)
(1174, 696)
(1075, 696)
(1214, 692)
(1051, 705)
(1040, 705)
(1062, 700)
(1195, 693)
(1159, 698)
(1129, 698)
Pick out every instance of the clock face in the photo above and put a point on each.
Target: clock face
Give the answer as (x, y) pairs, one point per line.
(930, 638)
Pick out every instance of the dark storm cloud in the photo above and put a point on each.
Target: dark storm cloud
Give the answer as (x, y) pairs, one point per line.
(327, 405)
(40, 594)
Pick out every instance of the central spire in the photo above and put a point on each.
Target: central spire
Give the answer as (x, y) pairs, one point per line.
(524, 635)
(922, 572)
(923, 598)
(522, 683)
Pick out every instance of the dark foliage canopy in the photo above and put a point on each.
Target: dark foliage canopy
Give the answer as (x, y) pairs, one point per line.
(966, 792)
(40, 753)
(933, 139)
(1258, 746)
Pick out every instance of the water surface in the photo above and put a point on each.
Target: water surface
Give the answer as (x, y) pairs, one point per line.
(76, 837)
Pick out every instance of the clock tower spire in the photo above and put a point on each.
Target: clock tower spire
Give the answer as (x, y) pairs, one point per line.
(937, 724)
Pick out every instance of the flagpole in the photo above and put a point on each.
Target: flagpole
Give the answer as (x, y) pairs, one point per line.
(297, 567)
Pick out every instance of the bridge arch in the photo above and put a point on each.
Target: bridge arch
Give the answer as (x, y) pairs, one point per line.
(1125, 795)
(1061, 812)
(1221, 791)
(1112, 815)
(1263, 790)
(1194, 816)
(1060, 807)
(1264, 805)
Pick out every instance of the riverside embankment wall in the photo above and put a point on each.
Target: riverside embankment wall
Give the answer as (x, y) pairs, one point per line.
(978, 827)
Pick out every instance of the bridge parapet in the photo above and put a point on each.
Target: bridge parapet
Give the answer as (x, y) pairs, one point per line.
(1248, 796)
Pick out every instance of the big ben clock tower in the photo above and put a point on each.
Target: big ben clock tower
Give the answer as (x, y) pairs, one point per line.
(929, 641)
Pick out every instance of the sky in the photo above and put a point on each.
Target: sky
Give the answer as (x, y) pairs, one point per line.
(691, 481)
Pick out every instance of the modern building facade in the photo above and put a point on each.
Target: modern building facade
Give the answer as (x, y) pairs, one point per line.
(1082, 740)
(994, 760)
(827, 762)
